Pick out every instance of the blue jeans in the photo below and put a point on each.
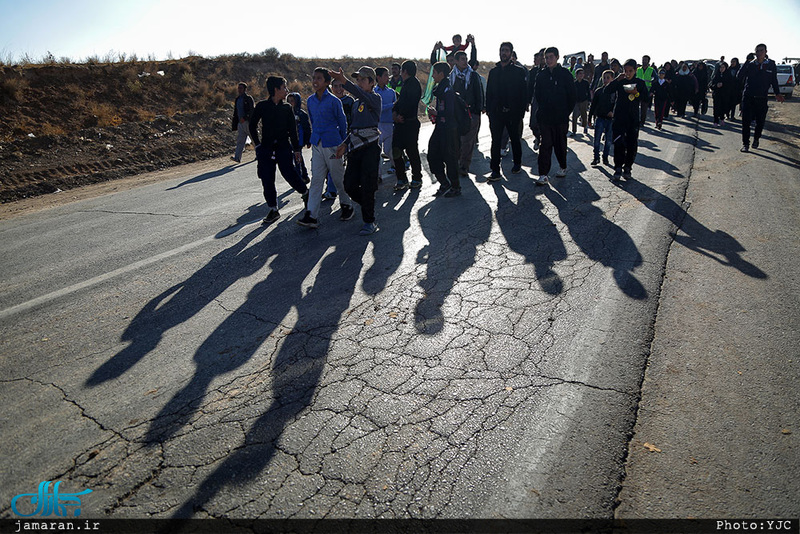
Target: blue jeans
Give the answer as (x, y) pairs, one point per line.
(600, 126)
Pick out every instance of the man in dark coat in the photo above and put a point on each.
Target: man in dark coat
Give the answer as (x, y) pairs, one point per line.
(555, 94)
(240, 123)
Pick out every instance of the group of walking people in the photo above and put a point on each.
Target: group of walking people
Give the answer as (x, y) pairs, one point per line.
(349, 133)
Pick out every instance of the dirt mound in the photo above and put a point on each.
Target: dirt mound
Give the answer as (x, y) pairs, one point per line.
(62, 126)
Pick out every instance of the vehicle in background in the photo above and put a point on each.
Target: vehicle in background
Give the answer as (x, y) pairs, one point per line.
(786, 79)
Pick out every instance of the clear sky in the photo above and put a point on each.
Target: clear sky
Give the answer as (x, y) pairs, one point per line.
(665, 29)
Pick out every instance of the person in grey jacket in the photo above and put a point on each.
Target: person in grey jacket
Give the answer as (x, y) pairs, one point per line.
(240, 123)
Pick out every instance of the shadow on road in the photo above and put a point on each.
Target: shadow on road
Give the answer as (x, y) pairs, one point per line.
(209, 175)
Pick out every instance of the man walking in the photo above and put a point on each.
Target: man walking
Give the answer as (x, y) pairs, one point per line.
(443, 147)
(278, 141)
(406, 128)
(506, 102)
(466, 83)
(757, 76)
(648, 74)
(328, 131)
(242, 109)
(555, 93)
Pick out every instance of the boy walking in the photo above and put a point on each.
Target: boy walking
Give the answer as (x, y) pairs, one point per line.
(444, 145)
(630, 93)
(361, 145)
(603, 111)
(328, 130)
(406, 128)
(277, 143)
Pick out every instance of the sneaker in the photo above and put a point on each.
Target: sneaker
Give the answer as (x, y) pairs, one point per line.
(401, 186)
(308, 221)
(494, 177)
(516, 169)
(368, 228)
(561, 173)
(347, 212)
(416, 184)
(453, 193)
(271, 217)
(755, 142)
(442, 190)
(596, 160)
(328, 196)
(745, 148)
(233, 158)
(541, 180)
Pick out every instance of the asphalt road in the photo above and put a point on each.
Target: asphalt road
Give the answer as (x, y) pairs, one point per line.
(494, 355)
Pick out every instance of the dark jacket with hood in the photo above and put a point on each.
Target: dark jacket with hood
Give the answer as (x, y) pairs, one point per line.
(301, 117)
(555, 93)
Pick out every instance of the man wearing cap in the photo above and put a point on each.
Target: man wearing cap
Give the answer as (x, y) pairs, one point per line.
(362, 148)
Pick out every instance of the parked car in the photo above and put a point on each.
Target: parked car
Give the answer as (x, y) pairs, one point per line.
(786, 79)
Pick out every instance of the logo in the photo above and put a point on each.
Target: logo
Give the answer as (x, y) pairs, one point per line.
(47, 503)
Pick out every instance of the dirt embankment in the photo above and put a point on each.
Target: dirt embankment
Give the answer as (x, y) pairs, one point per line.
(63, 126)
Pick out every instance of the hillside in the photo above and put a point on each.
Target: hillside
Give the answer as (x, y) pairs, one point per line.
(62, 126)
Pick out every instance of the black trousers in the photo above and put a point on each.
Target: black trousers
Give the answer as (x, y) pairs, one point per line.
(268, 160)
(626, 144)
(554, 139)
(406, 139)
(361, 178)
(444, 148)
(512, 122)
(753, 107)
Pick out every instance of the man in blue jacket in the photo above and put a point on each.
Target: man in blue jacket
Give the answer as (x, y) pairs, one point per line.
(757, 77)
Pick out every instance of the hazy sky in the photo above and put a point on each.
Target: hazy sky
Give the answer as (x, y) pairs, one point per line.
(665, 29)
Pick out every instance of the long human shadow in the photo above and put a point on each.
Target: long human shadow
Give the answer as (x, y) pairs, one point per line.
(699, 238)
(387, 244)
(529, 232)
(298, 365)
(237, 338)
(454, 228)
(180, 303)
(599, 238)
(208, 176)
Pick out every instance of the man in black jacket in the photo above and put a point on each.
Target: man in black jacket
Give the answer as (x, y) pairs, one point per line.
(506, 103)
(278, 141)
(538, 66)
(757, 76)
(406, 128)
(242, 108)
(555, 93)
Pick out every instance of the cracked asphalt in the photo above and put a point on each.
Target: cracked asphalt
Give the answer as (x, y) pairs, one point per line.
(481, 356)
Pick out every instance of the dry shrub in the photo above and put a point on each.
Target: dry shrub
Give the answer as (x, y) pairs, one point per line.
(106, 114)
(49, 129)
(187, 78)
(145, 115)
(12, 88)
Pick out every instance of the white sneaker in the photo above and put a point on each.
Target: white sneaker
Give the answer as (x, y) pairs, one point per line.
(541, 180)
(561, 173)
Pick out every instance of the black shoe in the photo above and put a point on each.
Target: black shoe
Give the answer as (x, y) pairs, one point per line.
(617, 175)
(606, 162)
(347, 212)
(744, 148)
(516, 169)
(453, 193)
(494, 177)
(755, 143)
(271, 217)
(596, 161)
(442, 190)
(308, 221)
(627, 174)
(416, 184)
(401, 186)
